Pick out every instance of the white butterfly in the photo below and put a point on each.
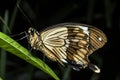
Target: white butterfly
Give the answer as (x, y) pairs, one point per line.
(69, 43)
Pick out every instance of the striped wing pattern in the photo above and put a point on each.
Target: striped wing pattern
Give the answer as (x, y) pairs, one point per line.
(69, 44)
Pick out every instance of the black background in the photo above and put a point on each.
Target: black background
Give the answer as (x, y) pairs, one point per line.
(44, 13)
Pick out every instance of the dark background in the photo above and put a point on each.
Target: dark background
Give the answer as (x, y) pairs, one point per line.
(104, 14)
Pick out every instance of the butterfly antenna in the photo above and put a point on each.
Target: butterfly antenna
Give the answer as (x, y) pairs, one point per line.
(24, 37)
(18, 5)
(18, 34)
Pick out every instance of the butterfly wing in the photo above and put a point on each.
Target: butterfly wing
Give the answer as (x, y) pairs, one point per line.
(69, 44)
(97, 39)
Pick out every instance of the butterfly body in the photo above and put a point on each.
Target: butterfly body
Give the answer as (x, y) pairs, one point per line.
(68, 43)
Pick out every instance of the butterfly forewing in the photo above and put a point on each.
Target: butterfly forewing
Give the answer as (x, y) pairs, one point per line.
(69, 43)
(54, 37)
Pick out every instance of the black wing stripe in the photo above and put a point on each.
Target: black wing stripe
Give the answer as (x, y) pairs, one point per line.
(74, 45)
(57, 57)
(74, 56)
(57, 34)
(48, 53)
(81, 54)
(94, 42)
(59, 53)
(63, 51)
(52, 51)
(95, 35)
(99, 33)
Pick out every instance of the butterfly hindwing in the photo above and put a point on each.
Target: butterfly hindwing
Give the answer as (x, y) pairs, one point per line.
(97, 39)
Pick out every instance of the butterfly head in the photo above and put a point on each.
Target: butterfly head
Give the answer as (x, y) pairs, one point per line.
(34, 38)
(32, 31)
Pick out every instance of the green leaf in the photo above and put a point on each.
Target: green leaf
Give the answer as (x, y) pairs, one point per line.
(15, 48)
(1, 78)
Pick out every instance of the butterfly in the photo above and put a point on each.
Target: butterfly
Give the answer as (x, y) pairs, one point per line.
(69, 44)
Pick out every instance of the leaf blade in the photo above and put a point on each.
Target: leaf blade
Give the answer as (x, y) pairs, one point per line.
(15, 48)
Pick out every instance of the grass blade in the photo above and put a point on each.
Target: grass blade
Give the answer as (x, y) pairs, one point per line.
(15, 48)
(3, 55)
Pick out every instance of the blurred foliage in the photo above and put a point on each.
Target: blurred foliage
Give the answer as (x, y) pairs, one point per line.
(103, 14)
